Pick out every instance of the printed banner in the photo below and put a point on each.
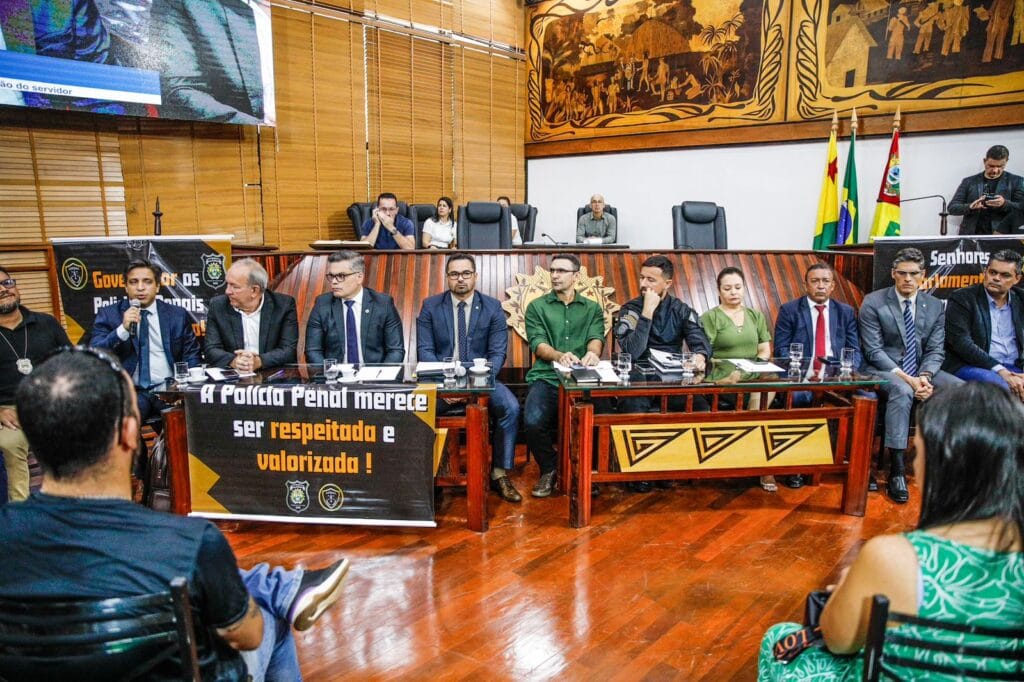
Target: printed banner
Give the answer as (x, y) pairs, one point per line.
(951, 263)
(91, 274)
(359, 455)
(722, 445)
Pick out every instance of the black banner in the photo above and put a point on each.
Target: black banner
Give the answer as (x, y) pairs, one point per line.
(951, 263)
(91, 274)
(313, 453)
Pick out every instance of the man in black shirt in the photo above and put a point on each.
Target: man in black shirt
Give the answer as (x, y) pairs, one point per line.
(26, 337)
(82, 537)
(991, 201)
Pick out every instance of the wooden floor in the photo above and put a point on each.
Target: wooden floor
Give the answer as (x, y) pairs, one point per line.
(674, 584)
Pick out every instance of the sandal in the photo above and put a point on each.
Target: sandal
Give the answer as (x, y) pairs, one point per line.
(769, 485)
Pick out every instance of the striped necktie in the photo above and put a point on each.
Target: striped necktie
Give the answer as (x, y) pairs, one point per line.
(909, 363)
(463, 342)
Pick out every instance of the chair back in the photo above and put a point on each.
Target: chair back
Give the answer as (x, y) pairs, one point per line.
(699, 225)
(123, 638)
(358, 213)
(608, 208)
(526, 217)
(952, 649)
(484, 225)
(418, 214)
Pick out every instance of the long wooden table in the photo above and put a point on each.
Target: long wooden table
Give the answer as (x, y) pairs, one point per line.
(847, 405)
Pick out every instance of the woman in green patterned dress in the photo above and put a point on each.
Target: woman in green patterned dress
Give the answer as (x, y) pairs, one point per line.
(964, 562)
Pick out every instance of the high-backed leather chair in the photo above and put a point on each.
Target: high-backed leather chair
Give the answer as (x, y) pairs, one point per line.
(699, 225)
(418, 214)
(484, 225)
(608, 208)
(361, 211)
(526, 217)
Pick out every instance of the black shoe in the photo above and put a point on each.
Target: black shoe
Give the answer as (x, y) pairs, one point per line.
(640, 486)
(794, 481)
(503, 486)
(317, 591)
(595, 490)
(545, 484)
(897, 489)
(872, 483)
(664, 485)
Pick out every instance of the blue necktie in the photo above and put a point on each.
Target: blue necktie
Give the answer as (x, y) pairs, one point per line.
(463, 343)
(351, 337)
(144, 379)
(909, 364)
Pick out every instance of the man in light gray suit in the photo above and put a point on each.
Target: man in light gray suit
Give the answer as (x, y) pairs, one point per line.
(902, 332)
(350, 322)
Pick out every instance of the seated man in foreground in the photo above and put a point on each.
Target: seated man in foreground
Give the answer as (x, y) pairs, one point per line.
(81, 537)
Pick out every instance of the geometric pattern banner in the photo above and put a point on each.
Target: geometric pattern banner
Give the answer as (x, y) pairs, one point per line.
(723, 445)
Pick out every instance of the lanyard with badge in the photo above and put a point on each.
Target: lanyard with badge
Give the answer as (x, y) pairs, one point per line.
(24, 364)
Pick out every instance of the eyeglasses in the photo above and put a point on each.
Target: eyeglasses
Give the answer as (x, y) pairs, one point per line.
(8, 283)
(465, 274)
(560, 271)
(907, 274)
(339, 277)
(107, 360)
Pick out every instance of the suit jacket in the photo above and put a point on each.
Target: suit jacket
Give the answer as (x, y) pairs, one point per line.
(180, 344)
(969, 328)
(487, 333)
(380, 330)
(211, 69)
(279, 331)
(882, 333)
(794, 324)
(1005, 219)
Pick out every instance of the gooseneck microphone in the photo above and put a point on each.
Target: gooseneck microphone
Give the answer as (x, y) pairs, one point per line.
(550, 238)
(133, 328)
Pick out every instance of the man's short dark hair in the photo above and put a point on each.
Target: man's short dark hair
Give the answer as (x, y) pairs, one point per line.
(505, 198)
(7, 273)
(69, 408)
(386, 195)
(662, 263)
(142, 263)
(569, 257)
(1007, 256)
(459, 255)
(818, 266)
(908, 255)
(997, 152)
(356, 259)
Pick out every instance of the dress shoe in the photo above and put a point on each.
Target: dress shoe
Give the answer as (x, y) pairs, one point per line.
(545, 484)
(317, 591)
(794, 481)
(503, 486)
(665, 485)
(872, 483)
(640, 486)
(897, 489)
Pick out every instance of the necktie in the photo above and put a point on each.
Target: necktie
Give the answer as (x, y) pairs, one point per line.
(909, 364)
(463, 343)
(351, 336)
(144, 380)
(819, 337)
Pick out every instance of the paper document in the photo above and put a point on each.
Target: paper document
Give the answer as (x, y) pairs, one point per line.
(605, 371)
(430, 367)
(389, 373)
(754, 366)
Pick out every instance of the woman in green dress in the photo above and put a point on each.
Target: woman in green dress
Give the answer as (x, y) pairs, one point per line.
(738, 332)
(964, 563)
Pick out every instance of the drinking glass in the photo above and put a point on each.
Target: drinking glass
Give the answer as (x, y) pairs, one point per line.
(796, 352)
(449, 370)
(624, 364)
(688, 366)
(181, 372)
(331, 370)
(846, 357)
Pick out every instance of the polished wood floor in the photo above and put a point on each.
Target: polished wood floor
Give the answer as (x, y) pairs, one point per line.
(674, 584)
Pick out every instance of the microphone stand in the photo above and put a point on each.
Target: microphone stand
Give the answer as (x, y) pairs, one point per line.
(943, 214)
(157, 215)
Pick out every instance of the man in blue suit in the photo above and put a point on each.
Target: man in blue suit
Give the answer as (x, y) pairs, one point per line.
(149, 337)
(466, 324)
(824, 327)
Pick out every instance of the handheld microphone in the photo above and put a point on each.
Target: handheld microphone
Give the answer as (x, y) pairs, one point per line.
(133, 328)
(550, 238)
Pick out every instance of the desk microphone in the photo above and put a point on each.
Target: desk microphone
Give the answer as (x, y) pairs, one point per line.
(550, 238)
(133, 328)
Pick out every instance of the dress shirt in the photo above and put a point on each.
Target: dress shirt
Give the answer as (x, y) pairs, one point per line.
(357, 310)
(455, 321)
(251, 327)
(814, 325)
(1003, 347)
(159, 370)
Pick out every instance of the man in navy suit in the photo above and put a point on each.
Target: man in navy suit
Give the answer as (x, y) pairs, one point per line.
(824, 327)
(466, 324)
(148, 338)
(351, 323)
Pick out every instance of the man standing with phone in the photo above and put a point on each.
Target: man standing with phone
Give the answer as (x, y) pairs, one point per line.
(991, 201)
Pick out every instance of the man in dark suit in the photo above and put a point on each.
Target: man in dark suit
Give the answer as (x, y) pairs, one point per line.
(985, 326)
(466, 324)
(250, 328)
(991, 201)
(212, 67)
(148, 338)
(824, 327)
(902, 331)
(350, 322)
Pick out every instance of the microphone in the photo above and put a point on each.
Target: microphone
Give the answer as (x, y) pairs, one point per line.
(550, 238)
(133, 328)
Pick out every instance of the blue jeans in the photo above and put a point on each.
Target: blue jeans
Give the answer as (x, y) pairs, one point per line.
(540, 422)
(505, 415)
(969, 373)
(273, 590)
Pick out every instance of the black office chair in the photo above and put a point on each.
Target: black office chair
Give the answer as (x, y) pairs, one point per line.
(526, 217)
(123, 638)
(418, 214)
(484, 225)
(698, 225)
(608, 208)
(966, 649)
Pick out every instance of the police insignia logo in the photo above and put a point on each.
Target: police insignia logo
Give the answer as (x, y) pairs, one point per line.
(213, 270)
(75, 274)
(331, 497)
(297, 495)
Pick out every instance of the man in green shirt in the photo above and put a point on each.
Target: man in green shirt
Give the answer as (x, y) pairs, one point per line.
(560, 327)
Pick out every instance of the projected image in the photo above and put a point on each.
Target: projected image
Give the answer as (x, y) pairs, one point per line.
(182, 59)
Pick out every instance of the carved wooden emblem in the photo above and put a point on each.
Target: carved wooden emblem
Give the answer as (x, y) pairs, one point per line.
(529, 287)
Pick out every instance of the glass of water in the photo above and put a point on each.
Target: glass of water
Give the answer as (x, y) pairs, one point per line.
(331, 370)
(449, 371)
(624, 365)
(181, 373)
(689, 365)
(846, 358)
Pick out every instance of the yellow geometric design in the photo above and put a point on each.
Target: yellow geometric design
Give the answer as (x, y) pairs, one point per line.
(646, 443)
(441, 435)
(779, 438)
(714, 439)
(430, 390)
(530, 287)
(202, 478)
